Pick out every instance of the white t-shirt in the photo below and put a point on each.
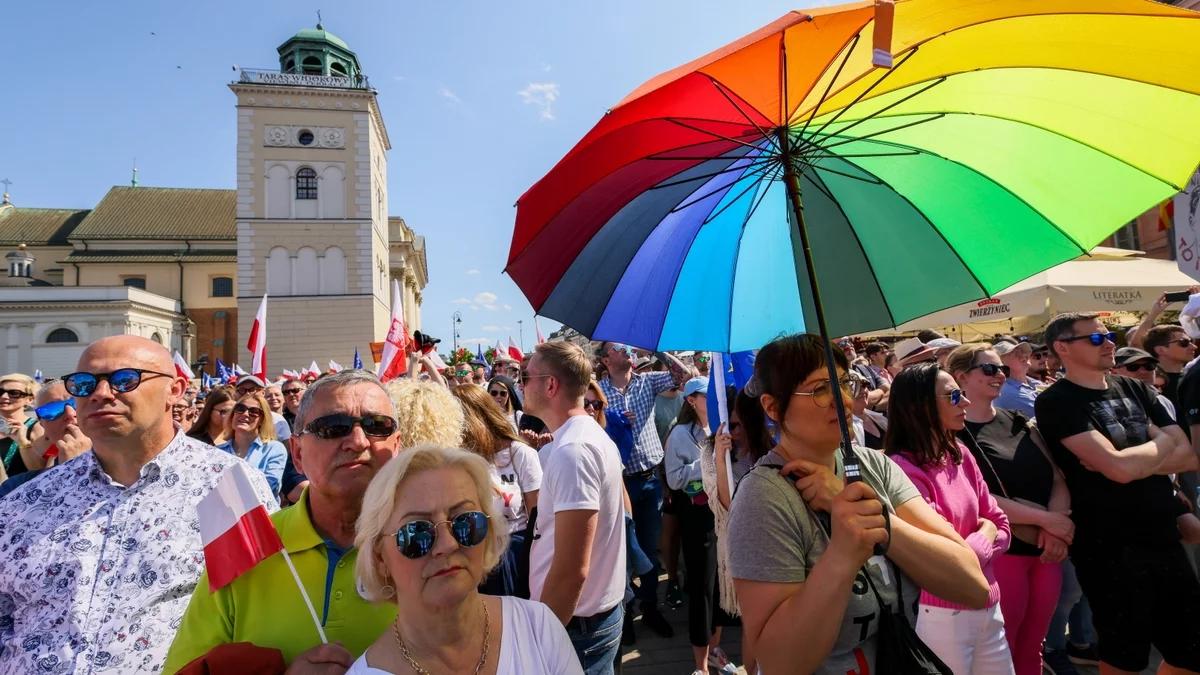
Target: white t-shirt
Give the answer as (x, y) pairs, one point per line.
(581, 470)
(533, 641)
(515, 471)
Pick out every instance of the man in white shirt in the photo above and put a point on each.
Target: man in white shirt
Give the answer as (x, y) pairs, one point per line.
(577, 564)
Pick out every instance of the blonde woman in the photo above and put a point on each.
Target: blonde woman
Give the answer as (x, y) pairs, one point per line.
(251, 434)
(516, 478)
(18, 429)
(428, 413)
(426, 540)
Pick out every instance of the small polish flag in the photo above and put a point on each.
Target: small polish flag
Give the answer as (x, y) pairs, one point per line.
(541, 338)
(181, 367)
(235, 529)
(515, 351)
(335, 367)
(257, 344)
(396, 346)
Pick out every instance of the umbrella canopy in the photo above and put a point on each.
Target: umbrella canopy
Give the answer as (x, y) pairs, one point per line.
(1009, 136)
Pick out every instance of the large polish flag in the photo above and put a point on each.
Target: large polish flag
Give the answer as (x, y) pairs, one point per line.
(182, 368)
(394, 361)
(257, 344)
(235, 529)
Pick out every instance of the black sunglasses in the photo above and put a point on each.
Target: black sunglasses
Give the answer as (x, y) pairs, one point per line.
(1135, 367)
(293, 390)
(1096, 339)
(499, 393)
(990, 369)
(14, 394)
(1182, 342)
(416, 539)
(121, 381)
(241, 409)
(593, 405)
(339, 425)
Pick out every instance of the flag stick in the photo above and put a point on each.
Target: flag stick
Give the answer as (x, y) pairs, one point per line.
(304, 594)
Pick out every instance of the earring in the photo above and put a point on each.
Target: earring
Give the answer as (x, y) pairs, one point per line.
(387, 590)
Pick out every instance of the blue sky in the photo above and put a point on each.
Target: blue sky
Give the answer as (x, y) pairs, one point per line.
(480, 100)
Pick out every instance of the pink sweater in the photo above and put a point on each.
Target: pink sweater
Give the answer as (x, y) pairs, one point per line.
(959, 494)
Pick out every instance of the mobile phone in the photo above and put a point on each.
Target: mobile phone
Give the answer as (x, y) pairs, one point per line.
(1177, 296)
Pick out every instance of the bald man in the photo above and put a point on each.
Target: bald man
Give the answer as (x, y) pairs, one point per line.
(99, 556)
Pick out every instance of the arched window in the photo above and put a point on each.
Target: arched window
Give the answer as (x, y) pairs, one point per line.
(62, 335)
(312, 65)
(306, 184)
(307, 272)
(222, 287)
(156, 337)
(279, 271)
(336, 69)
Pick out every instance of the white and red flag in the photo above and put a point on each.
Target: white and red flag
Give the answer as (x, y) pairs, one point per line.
(537, 327)
(235, 529)
(335, 367)
(515, 351)
(394, 361)
(257, 344)
(182, 368)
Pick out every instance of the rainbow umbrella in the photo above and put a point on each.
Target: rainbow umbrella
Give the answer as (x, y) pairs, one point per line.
(786, 183)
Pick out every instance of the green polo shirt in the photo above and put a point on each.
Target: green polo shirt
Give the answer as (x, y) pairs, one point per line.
(263, 606)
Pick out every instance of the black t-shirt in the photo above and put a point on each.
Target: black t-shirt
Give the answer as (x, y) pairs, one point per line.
(1021, 470)
(1141, 511)
(1171, 391)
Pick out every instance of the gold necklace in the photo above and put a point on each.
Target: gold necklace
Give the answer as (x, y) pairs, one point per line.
(417, 668)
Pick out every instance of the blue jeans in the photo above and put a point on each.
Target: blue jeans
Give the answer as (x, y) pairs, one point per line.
(597, 639)
(646, 495)
(1073, 608)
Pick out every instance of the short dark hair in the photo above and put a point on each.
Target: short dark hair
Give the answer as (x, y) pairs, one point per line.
(1063, 326)
(914, 426)
(929, 335)
(874, 348)
(1160, 336)
(783, 363)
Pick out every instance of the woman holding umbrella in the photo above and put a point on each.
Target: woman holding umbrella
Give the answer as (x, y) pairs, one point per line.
(800, 543)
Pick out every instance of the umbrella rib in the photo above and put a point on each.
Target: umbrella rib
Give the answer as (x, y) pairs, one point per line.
(851, 176)
(810, 157)
(676, 120)
(712, 216)
(820, 185)
(721, 89)
(827, 146)
(686, 204)
(849, 49)
(882, 110)
(706, 176)
(866, 91)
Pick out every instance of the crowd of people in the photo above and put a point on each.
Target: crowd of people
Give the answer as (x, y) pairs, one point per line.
(1022, 504)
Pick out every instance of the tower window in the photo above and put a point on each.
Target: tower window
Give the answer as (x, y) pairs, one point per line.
(62, 335)
(305, 137)
(312, 65)
(306, 184)
(222, 287)
(338, 69)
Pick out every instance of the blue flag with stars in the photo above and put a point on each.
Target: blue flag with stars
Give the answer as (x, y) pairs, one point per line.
(357, 360)
(222, 371)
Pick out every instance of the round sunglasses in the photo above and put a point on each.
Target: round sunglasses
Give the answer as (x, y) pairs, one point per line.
(121, 381)
(416, 539)
(48, 412)
(340, 425)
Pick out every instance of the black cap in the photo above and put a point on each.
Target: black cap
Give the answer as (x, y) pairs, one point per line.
(1128, 355)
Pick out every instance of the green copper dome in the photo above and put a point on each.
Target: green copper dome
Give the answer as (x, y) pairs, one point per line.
(316, 51)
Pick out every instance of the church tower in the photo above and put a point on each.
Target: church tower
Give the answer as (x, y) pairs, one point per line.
(312, 225)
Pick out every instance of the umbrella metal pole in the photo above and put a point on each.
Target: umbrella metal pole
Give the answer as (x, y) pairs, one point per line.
(792, 183)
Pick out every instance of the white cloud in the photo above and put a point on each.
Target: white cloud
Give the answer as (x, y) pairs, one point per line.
(475, 341)
(542, 95)
(460, 301)
(399, 78)
(472, 272)
(449, 95)
(508, 307)
(485, 298)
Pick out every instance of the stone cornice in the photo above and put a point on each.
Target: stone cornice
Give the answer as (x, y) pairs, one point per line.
(290, 91)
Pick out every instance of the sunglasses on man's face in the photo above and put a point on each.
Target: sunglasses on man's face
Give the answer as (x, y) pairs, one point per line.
(253, 413)
(990, 369)
(48, 412)
(1135, 367)
(1182, 342)
(1096, 339)
(416, 539)
(293, 390)
(121, 381)
(340, 425)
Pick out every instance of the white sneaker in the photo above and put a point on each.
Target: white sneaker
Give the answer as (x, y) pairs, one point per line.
(699, 672)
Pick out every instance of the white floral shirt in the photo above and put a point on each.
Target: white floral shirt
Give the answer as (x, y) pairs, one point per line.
(94, 576)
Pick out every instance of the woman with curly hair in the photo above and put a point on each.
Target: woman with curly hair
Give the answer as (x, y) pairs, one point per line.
(427, 413)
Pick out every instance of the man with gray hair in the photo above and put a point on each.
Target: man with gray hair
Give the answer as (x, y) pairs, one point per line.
(345, 431)
(98, 555)
(62, 440)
